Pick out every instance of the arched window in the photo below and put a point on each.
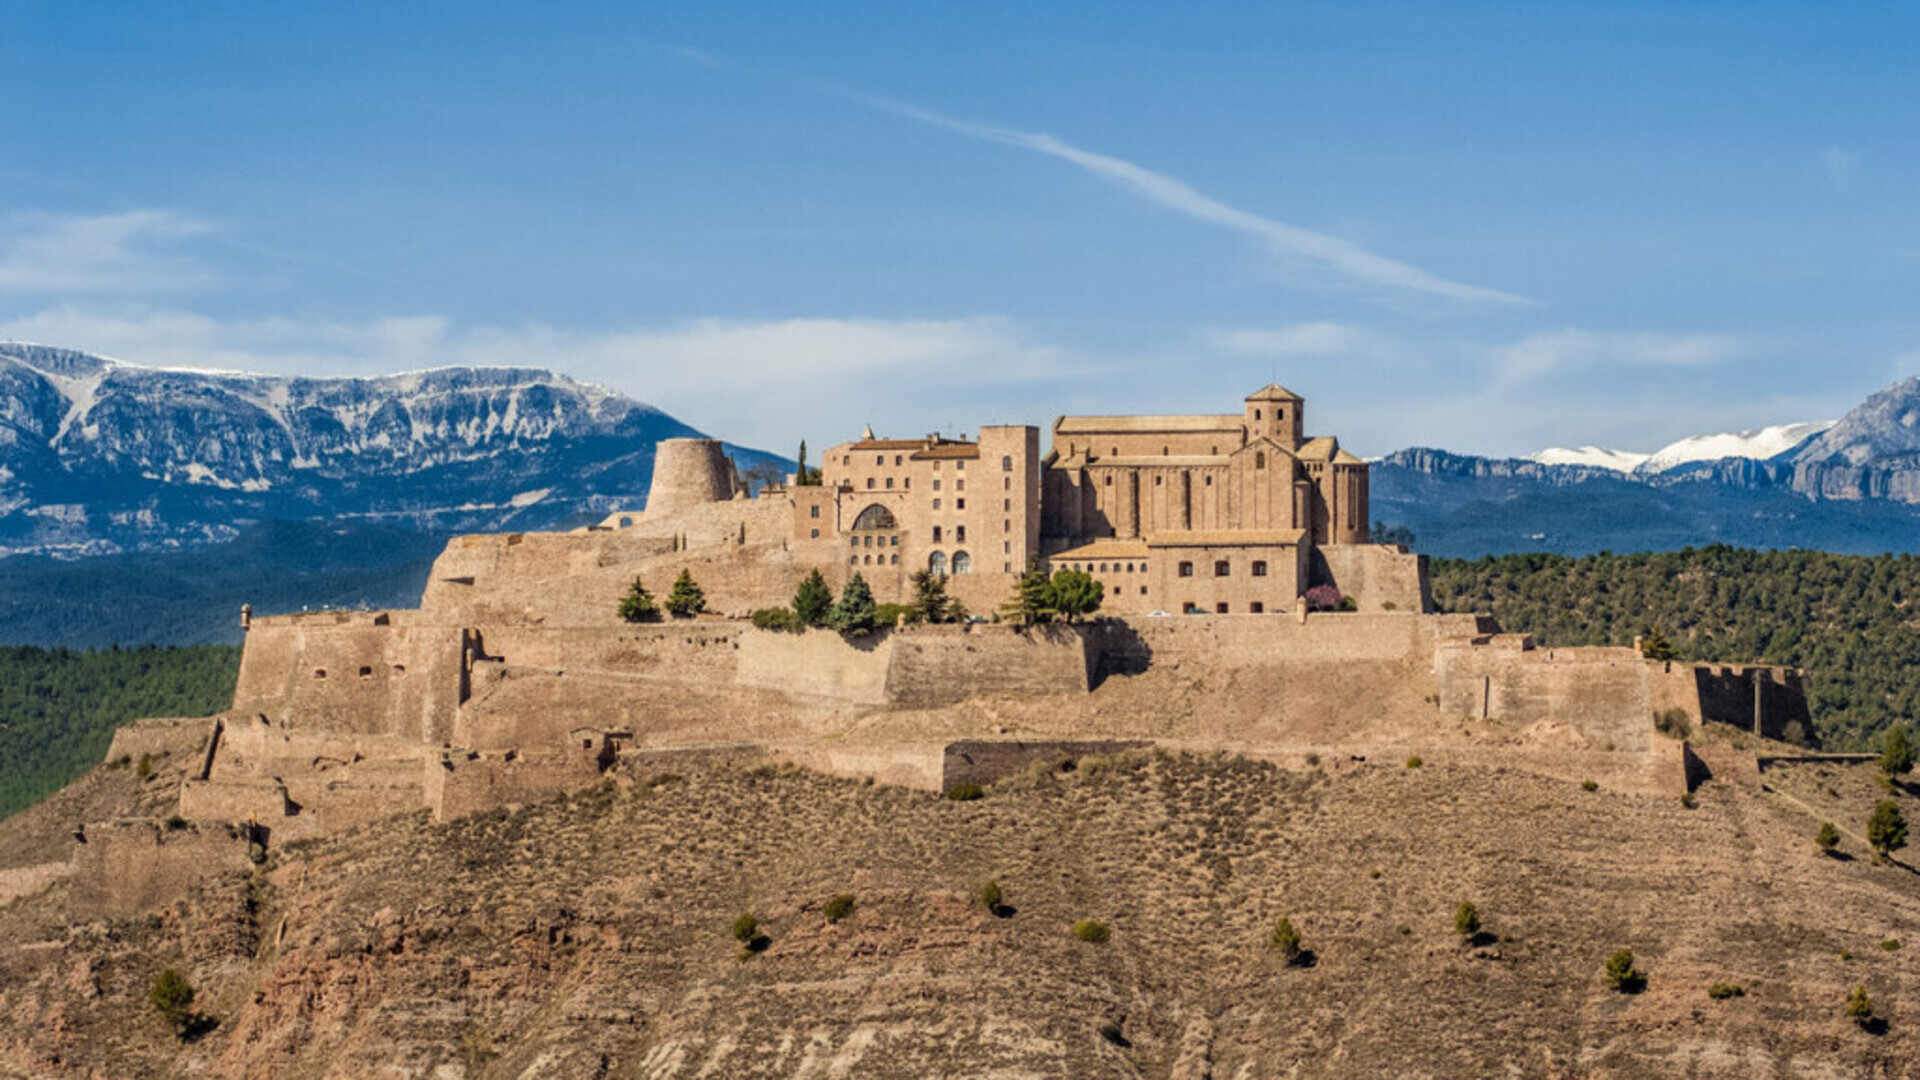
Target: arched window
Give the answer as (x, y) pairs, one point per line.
(876, 517)
(937, 563)
(1259, 459)
(1006, 463)
(962, 562)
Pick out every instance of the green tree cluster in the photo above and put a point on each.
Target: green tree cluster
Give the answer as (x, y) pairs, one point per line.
(58, 707)
(1848, 619)
(638, 605)
(1069, 595)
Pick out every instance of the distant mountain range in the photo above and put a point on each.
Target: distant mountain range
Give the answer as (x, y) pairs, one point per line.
(1852, 485)
(98, 457)
(187, 492)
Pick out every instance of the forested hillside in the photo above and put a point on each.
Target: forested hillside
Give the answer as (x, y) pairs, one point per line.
(58, 708)
(1849, 620)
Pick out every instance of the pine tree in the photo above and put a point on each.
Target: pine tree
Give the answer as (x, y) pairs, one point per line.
(812, 600)
(1655, 646)
(686, 599)
(854, 612)
(1032, 599)
(930, 601)
(1074, 593)
(638, 605)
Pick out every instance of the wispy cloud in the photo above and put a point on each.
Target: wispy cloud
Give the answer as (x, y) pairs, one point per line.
(1306, 340)
(1542, 354)
(101, 253)
(1330, 252)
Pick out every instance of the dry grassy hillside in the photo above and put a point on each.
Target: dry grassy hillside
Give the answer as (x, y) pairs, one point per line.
(590, 936)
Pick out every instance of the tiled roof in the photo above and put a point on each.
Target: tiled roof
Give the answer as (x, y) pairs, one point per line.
(1318, 448)
(1226, 537)
(947, 451)
(1108, 548)
(1274, 392)
(1094, 425)
(886, 444)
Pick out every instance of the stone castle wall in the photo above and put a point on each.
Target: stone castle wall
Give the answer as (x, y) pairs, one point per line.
(354, 672)
(1378, 577)
(132, 865)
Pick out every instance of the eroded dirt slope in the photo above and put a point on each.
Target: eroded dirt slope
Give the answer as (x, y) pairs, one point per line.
(589, 937)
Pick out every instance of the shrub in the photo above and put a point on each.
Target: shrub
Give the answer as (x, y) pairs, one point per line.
(839, 907)
(145, 769)
(1672, 722)
(685, 599)
(988, 895)
(1323, 598)
(638, 605)
(1886, 829)
(172, 997)
(1828, 837)
(1466, 920)
(1655, 646)
(1891, 944)
(1313, 760)
(965, 792)
(176, 823)
(1285, 940)
(1622, 975)
(745, 928)
(892, 614)
(1860, 1006)
(1687, 800)
(1896, 751)
(1414, 762)
(812, 600)
(120, 762)
(1092, 931)
(1347, 603)
(1589, 785)
(1721, 991)
(777, 618)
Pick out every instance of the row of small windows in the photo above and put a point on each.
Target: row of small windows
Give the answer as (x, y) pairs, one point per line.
(1221, 608)
(881, 559)
(871, 540)
(1224, 568)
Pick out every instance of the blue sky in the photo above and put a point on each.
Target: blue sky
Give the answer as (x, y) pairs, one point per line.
(1487, 227)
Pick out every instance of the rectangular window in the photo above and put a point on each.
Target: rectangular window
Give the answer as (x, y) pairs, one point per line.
(869, 483)
(1006, 506)
(960, 465)
(896, 459)
(959, 485)
(879, 459)
(1143, 590)
(1006, 568)
(1007, 484)
(936, 534)
(815, 535)
(1221, 607)
(959, 504)
(960, 534)
(889, 483)
(1259, 568)
(1006, 525)
(813, 511)
(936, 504)
(936, 485)
(1006, 547)
(1220, 568)
(895, 542)
(1186, 569)
(1257, 607)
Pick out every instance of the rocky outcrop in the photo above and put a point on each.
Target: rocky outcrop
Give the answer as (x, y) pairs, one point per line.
(1872, 453)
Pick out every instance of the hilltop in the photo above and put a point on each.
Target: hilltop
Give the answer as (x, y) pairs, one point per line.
(589, 936)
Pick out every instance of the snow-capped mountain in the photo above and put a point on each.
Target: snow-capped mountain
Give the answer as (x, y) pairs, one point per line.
(98, 455)
(1759, 444)
(1593, 457)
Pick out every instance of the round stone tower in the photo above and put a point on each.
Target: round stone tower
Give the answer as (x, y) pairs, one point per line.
(689, 472)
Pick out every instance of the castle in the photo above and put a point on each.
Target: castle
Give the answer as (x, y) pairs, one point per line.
(515, 679)
(1223, 514)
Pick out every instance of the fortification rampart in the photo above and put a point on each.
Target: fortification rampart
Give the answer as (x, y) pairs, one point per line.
(1377, 577)
(362, 673)
(184, 736)
(940, 665)
(131, 865)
